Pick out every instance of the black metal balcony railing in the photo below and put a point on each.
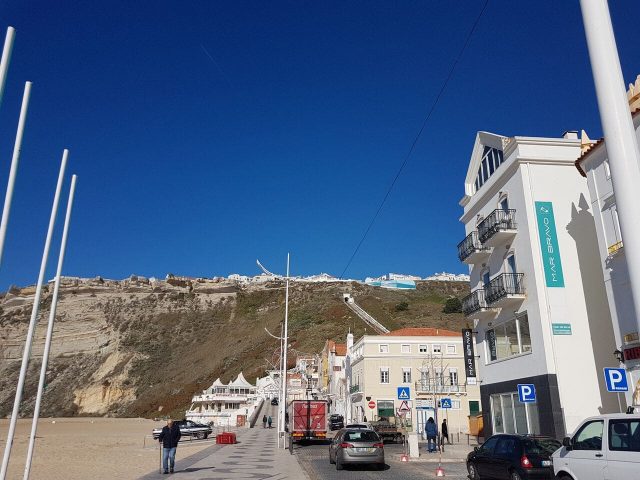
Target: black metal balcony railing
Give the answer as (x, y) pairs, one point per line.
(473, 302)
(497, 221)
(469, 245)
(503, 285)
(443, 386)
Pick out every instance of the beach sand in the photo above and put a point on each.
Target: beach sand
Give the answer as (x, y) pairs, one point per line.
(88, 448)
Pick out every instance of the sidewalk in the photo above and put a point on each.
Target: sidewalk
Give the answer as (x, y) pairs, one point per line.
(452, 453)
(255, 456)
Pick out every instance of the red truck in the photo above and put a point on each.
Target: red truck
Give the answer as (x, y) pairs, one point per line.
(308, 419)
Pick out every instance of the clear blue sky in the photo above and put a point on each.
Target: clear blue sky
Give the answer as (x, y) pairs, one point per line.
(287, 139)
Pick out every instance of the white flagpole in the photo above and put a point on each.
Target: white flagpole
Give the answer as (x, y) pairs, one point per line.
(283, 401)
(32, 322)
(14, 166)
(6, 58)
(47, 343)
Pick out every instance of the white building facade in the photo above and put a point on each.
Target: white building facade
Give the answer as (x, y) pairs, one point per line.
(539, 318)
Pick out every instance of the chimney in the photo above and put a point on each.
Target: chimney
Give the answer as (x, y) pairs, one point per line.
(570, 135)
(349, 342)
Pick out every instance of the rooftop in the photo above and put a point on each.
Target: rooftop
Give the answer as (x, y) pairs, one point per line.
(423, 332)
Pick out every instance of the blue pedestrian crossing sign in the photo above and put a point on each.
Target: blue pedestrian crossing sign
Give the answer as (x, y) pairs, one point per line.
(445, 403)
(526, 392)
(616, 379)
(404, 393)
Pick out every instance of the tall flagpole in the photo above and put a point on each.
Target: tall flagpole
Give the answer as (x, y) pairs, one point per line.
(52, 318)
(6, 58)
(14, 166)
(284, 360)
(32, 322)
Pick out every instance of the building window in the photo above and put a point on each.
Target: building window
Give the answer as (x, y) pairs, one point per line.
(492, 158)
(337, 368)
(405, 348)
(439, 376)
(508, 339)
(474, 407)
(453, 376)
(437, 349)
(423, 349)
(384, 348)
(451, 349)
(509, 415)
(384, 374)
(406, 375)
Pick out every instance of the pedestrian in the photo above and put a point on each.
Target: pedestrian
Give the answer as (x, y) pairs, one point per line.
(445, 431)
(269, 420)
(432, 432)
(169, 437)
(264, 421)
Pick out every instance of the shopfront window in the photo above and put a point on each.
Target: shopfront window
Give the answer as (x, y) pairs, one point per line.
(509, 415)
(508, 339)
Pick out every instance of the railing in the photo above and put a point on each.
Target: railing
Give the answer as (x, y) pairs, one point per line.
(354, 389)
(469, 245)
(503, 285)
(497, 220)
(474, 302)
(613, 249)
(435, 386)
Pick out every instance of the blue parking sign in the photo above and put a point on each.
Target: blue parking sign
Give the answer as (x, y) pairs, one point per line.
(616, 379)
(526, 392)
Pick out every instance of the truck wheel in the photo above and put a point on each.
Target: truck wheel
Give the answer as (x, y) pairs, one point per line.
(339, 465)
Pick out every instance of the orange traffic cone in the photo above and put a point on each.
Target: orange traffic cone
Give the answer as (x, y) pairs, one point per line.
(404, 458)
(439, 471)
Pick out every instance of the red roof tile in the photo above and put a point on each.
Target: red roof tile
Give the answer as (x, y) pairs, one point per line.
(341, 349)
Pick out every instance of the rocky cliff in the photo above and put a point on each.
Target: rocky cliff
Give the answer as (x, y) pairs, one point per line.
(139, 346)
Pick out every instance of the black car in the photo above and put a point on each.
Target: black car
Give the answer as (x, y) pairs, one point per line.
(513, 457)
(336, 422)
(188, 429)
(274, 401)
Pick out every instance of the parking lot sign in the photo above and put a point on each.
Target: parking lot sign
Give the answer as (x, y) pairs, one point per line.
(616, 379)
(526, 392)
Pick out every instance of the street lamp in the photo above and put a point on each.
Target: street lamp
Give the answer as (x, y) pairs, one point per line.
(282, 405)
(619, 355)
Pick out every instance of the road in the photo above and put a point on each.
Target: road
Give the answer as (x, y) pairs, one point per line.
(314, 459)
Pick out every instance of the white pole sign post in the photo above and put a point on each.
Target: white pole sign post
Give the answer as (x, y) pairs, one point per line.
(283, 400)
(6, 58)
(52, 318)
(32, 322)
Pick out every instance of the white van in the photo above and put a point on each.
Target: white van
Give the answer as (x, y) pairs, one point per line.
(606, 447)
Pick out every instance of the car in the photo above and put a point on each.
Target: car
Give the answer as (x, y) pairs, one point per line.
(188, 429)
(513, 457)
(358, 425)
(602, 447)
(336, 422)
(274, 401)
(356, 446)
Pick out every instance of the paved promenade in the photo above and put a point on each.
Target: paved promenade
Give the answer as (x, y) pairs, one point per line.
(256, 456)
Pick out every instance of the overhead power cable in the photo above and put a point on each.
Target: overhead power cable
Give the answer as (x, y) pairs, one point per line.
(418, 135)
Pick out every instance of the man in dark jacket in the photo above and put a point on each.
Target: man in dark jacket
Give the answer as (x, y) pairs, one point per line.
(169, 438)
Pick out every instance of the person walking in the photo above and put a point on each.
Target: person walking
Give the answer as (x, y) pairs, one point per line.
(445, 431)
(432, 432)
(169, 438)
(264, 421)
(269, 420)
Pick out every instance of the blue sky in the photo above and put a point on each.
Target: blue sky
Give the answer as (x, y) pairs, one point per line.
(208, 134)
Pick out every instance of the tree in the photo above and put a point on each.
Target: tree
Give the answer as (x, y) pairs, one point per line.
(452, 305)
(402, 306)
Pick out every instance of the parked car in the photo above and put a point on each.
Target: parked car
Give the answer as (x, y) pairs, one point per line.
(274, 401)
(513, 457)
(188, 429)
(336, 422)
(358, 425)
(356, 446)
(602, 447)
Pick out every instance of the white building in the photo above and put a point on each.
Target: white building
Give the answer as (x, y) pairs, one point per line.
(594, 165)
(539, 316)
(332, 382)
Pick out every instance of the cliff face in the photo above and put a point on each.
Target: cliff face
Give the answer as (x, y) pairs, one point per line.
(137, 347)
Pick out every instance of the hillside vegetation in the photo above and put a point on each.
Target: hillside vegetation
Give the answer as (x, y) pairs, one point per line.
(137, 347)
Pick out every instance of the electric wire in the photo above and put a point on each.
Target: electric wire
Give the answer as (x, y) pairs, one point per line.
(419, 134)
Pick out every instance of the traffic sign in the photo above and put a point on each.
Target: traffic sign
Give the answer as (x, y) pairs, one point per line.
(404, 406)
(372, 404)
(404, 393)
(445, 403)
(526, 392)
(616, 379)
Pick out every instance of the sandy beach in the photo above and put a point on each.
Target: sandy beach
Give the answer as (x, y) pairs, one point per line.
(88, 448)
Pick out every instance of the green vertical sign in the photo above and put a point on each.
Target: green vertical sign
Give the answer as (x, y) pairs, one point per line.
(549, 245)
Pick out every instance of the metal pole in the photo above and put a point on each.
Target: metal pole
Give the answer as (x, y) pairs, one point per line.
(619, 134)
(52, 318)
(286, 345)
(6, 58)
(14, 165)
(32, 322)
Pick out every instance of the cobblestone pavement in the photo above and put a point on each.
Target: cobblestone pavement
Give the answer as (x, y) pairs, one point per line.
(314, 459)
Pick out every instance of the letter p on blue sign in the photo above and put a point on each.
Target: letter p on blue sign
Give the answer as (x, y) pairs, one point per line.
(526, 392)
(616, 379)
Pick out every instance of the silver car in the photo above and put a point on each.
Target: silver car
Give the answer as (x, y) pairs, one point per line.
(356, 446)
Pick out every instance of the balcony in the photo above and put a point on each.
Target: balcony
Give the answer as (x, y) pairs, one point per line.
(439, 387)
(505, 290)
(354, 389)
(471, 251)
(474, 305)
(499, 227)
